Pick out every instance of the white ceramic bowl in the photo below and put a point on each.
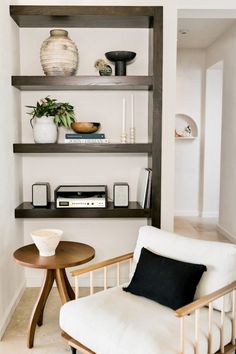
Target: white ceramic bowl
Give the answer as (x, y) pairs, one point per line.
(46, 240)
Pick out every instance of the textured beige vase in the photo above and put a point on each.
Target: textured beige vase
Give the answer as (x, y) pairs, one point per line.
(45, 130)
(59, 54)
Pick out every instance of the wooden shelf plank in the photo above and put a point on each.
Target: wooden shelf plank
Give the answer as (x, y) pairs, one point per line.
(82, 148)
(40, 83)
(83, 16)
(26, 210)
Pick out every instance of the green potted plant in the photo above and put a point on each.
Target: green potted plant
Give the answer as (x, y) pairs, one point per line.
(48, 115)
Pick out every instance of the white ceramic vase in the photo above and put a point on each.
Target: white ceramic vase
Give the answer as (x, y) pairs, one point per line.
(46, 240)
(59, 54)
(45, 130)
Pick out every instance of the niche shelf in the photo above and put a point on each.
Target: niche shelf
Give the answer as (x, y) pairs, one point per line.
(181, 122)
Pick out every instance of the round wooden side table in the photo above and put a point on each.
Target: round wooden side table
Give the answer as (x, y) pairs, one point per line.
(68, 254)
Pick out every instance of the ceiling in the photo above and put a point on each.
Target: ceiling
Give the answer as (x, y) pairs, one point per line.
(201, 32)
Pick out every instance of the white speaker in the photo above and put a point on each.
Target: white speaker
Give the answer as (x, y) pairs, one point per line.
(121, 194)
(40, 194)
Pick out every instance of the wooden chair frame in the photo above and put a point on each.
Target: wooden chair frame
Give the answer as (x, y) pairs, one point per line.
(182, 312)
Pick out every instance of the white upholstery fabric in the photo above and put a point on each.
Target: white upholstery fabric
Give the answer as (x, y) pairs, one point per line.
(117, 322)
(219, 258)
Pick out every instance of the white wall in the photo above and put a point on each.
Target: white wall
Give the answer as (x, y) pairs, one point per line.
(11, 231)
(212, 141)
(225, 49)
(197, 162)
(189, 101)
(109, 237)
(207, 8)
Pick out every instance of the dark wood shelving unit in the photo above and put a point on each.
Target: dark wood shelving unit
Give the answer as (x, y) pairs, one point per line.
(82, 148)
(149, 17)
(26, 210)
(39, 83)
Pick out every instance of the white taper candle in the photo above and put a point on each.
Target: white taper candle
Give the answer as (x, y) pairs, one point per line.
(132, 111)
(123, 115)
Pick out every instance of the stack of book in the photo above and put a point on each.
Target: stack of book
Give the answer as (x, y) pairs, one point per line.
(144, 188)
(92, 138)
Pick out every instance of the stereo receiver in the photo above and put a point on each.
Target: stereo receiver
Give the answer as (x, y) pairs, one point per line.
(81, 196)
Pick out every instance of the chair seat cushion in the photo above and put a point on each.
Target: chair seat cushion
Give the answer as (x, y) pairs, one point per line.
(117, 322)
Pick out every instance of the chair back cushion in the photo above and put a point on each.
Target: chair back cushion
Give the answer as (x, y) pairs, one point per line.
(218, 257)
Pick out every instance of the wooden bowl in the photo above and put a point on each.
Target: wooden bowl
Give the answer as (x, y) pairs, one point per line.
(85, 127)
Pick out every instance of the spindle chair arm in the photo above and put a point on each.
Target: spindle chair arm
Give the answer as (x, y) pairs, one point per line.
(102, 264)
(207, 300)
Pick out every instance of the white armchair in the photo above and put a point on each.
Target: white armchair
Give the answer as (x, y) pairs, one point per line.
(115, 321)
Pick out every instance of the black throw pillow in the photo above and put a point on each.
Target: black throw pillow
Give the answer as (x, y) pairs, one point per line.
(167, 281)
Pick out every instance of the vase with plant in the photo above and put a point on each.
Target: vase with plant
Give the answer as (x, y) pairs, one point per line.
(48, 115)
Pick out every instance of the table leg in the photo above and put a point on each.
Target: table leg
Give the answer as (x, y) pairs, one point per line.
(63, 285)
(37, 314)
(70, 291)
(40, 320)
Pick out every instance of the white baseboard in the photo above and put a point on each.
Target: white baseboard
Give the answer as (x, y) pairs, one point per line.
(227, 234)
(209, 214)
(203, 214)
(11, 308)
(186, 213)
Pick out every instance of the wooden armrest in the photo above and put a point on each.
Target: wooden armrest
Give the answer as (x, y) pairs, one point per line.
(102, 264)
(205, 300)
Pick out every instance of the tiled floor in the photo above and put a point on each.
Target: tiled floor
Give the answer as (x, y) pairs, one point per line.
(47, 338)
(199, 228)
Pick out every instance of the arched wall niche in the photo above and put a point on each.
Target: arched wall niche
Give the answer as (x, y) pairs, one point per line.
(182, 121)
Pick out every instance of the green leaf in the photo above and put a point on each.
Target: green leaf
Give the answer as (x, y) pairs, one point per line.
(63, 112)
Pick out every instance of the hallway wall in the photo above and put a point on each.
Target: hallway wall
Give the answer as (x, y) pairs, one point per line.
(189, 101)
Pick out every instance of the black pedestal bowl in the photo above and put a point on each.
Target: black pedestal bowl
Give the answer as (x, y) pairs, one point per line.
(120, 57)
